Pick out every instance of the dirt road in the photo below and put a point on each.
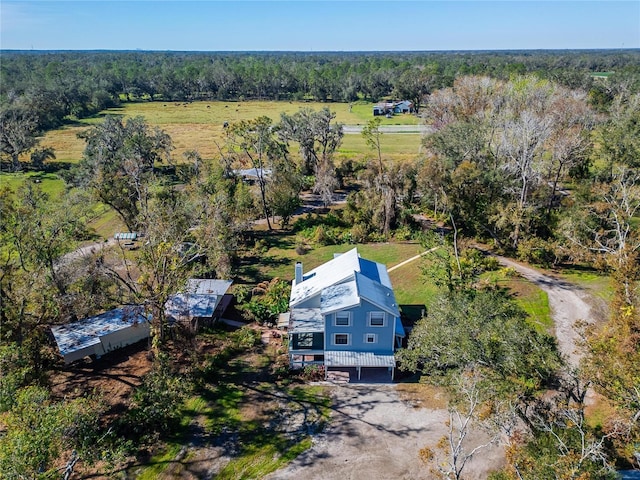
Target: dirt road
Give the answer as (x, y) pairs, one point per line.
(86, 250)
(568, 304)
(357, 129)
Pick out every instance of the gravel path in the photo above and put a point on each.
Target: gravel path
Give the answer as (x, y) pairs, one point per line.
(409, 260)
(568, 305)
(86, 250)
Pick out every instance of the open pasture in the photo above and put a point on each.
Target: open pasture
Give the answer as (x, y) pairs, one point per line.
(199, 126)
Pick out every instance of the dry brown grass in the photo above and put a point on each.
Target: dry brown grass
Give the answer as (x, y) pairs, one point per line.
(65, 142)
(422, 395)
(199, 125)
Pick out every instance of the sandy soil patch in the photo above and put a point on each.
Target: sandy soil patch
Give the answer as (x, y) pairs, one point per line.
(373, 434)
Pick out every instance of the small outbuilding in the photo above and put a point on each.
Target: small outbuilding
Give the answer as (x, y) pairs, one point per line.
(253, 175)
(202, 303)
(404, 106)
(128, 236)
(102, 334)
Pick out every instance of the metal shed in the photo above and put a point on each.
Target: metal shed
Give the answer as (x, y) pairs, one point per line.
(102, 334)
(203, 301)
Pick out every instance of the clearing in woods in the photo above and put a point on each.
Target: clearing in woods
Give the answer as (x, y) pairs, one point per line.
(199, 126)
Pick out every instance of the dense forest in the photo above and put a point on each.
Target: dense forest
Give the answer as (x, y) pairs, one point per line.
(533, 155)
(58, 84)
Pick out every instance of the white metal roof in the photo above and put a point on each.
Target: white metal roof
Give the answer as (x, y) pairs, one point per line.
(330, 273)
(347, 358)
(191, 305)
(339, 297)
(84, 333)
(343, 281)
(306, 320)
(378, 294)
(205, 286)
(200, 298)
(253, 172)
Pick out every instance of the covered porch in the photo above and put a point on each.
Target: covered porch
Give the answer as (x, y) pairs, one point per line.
(306, 337)
(346, 360)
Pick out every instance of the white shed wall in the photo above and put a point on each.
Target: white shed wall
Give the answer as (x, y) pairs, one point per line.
(122, 338)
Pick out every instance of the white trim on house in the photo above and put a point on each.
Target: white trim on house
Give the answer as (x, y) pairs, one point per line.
(370, 338)
(334, 339)
(378, 316)
(342, 316)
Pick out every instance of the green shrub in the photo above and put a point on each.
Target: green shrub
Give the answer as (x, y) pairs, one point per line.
(403, 233)
(313, 373)
(537, 251)
(377, 237)
(359, 233)
(245, 338)
(16, 372)
(156, 404)
(269, 299)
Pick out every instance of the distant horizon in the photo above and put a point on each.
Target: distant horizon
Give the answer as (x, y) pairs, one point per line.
(319, 26)
(501, 50)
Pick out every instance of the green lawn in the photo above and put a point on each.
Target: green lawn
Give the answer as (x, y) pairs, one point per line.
(50, 183)
(596, 283)
(531, 299)
(106, 222)
(396, 146)
(240, 401)
(280, 258)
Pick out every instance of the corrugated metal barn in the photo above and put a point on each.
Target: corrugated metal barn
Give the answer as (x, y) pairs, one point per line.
(101, 334)
(202, 302)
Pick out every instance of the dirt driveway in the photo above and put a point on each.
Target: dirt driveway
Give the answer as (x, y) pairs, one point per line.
(375, 434)
(569, 304)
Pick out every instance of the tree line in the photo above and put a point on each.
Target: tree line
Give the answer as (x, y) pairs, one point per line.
(58, 84)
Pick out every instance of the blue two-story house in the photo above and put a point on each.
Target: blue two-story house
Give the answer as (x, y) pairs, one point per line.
(344, 314)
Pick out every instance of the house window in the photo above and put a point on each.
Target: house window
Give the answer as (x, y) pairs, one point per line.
(370, 338)
(376, 319)
(342, 319)
(305, 340)
(341, 339)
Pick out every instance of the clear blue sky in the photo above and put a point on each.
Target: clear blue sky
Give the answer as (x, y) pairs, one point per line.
(318, 25)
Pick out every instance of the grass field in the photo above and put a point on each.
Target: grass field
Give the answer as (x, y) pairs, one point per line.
(394, 146)
(594, 282)
(529, 297)
(50, 183)
(199, 126)
(409, 285)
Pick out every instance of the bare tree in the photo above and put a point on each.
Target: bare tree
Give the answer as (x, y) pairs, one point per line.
(467, 413)
(523, 140)
(607, 227)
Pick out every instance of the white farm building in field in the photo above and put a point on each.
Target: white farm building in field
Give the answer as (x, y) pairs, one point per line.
(101, 334)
